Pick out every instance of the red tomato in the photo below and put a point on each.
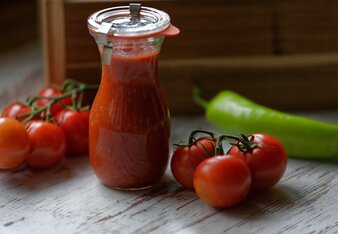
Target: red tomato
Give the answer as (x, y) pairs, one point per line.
(267, 161)
(48, 144)
(53, 92)
(75, 126)
(222, 181)
(16, 109)
(185, 160)
(14, 143)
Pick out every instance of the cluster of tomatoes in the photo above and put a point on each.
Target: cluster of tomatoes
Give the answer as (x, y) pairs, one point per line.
(253, 164)
(45, 128)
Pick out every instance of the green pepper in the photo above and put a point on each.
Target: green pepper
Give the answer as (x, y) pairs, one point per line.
(302, 138)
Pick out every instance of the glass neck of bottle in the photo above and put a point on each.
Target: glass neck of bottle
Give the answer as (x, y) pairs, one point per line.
(132, 61)
(134, 48)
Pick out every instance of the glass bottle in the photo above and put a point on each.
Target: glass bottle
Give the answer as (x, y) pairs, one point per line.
(129, 125)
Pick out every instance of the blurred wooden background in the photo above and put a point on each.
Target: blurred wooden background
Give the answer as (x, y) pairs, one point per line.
(281, 53)
(18, 23)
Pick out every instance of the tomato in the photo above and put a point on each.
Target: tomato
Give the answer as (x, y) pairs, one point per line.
(53, 92)
(222, 181)
(14, 143)
(48, 144)
(267, 161)
(16, 109)
(75, 126)
(185, 160)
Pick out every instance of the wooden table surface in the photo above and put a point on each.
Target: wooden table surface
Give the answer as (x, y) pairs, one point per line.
(70, 199)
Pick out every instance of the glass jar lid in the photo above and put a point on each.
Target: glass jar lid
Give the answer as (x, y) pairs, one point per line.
(128, 21)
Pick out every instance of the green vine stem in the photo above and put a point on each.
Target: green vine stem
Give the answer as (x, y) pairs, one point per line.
(243, 142)
(219, 146)
(71, 88)
(192, 137)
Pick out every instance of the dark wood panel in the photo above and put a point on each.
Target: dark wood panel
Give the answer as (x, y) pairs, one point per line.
(224, 28)
(270, 81)
(18, 23)
(215, 29)
(307, 26)
(253, 47)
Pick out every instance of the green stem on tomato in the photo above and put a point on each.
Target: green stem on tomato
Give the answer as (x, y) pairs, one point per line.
(243, 143)
(48, 112)
(79, 102)
(192, 138)
(76, 87)
(74, 94)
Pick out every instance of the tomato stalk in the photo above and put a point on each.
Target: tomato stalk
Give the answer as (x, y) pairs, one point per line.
(244, 143)
(192, 137)
(48, 113)
(219, 146)
(80, 100)
(71, 88)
